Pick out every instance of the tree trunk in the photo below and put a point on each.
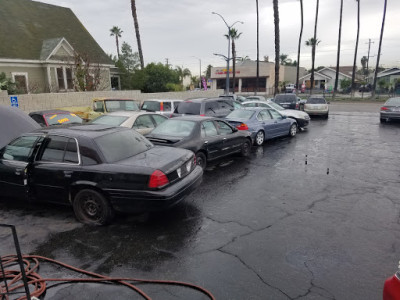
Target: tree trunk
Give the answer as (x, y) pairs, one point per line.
(135, 22)
(277, 45)
(233, 64)
(116, 41)
(313, 49)
(353, 75)
(379, 49)
(338, 51)
(258, 51)
(298, 49)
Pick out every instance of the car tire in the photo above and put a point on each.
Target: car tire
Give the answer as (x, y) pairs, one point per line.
(92, 208)
(293, 130)
(326, 116)
(383, 120)
(260, 138)
(246, 148)
(201, 160)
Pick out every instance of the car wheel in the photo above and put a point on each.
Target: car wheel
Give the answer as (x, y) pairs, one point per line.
(201, 160)
(246, 148)
(326, 116)
(260, 138)
(293, 130)
(383, 120)
(92, 208)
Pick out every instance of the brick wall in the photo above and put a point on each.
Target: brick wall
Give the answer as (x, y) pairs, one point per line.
(34, 102)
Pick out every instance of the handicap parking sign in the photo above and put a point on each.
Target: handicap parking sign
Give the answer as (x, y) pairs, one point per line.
(14, 101)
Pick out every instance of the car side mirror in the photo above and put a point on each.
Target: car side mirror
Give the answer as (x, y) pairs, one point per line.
(234, 129)
(283, 117)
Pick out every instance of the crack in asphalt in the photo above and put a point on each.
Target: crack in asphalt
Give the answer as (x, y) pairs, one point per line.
(255, 272)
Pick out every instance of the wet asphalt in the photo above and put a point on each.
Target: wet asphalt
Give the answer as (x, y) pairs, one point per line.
(310, 217)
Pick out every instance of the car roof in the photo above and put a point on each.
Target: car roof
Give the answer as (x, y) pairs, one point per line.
(256, 101)
(89, 130)
(124, 113)
(50, 111)
(162, 100)
(200, 100)
(195, 118)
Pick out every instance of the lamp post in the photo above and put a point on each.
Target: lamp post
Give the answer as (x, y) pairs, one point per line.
(200, 71)
(229, 50)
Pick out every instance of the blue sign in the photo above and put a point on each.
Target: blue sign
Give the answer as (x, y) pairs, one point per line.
(14, 101)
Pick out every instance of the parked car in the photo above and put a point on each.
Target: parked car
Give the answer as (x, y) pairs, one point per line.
(390, 110)
(13, 123)
(161, 106)
(210, 138)
(143, 122)
(290, 88)
(364, 88)
(213, 107)
(263, 123)
(391, 287)
(98, 170)
(301, 117)
(317, 106)
(55, 117)
(290, 101)
(255, 98)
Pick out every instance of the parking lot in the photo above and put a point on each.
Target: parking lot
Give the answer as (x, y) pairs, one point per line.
(310, 217)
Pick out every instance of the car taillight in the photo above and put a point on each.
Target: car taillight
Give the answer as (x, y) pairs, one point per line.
(242, 127)
(161, 106)
(384, 108)
(297, 105)
(194, 160)
(203, 115)
(158, 179)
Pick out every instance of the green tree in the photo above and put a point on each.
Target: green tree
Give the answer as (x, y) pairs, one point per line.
(6, 84)
(158, 78)
(379, 49)
(345, 83)
(364, 62)
(182, 73)
(285, 60)
(129, 59)
(277, 44)
(116, 31)
(233, 35)
(208, 71)
(136, 24)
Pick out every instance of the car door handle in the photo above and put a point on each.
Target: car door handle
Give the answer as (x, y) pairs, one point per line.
(67, 174)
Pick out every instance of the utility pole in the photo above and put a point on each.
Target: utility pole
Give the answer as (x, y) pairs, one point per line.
(369, 49)
(166, 60)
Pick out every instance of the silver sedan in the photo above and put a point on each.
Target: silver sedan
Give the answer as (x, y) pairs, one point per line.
(390, 110)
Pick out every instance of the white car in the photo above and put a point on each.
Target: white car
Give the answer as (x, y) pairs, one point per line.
(317, 106)
(141, 121)
(161, 106)
(302, 118)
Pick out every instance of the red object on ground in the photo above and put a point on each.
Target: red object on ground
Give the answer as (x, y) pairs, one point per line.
(391, 289)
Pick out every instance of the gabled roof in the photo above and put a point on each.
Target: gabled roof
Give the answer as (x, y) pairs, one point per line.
(30, 29)
(316, 73)
(333, 69)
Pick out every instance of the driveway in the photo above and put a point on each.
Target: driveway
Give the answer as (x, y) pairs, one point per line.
(310, 217)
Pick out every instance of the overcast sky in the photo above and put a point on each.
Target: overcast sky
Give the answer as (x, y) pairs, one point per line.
(185, 31)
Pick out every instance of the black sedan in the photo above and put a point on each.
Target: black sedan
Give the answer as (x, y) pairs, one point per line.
(210, 138)
(98, 170)
(55, 117)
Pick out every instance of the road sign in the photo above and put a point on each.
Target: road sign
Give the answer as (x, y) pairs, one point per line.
(14, 101)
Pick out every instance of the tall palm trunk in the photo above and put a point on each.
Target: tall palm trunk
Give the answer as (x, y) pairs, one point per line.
(353, 75)
(117, 42)
(277, 45)
(233, 64)
(135, 22)
(258, 51)
(313, 49)
(379, 49)
(338, 50)
(298, 49)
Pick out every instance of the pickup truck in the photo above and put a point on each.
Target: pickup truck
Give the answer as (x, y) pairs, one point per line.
(103, 105)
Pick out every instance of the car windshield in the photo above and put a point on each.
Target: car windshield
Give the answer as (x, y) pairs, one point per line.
(241, 114)
(190, 108)
(62, 118)
(275, 106)
(285, 98)
(393, 101)
(109, 120)
(316, 101)
(120, 145)
(116, 105)
(151, 105)
(173, 127)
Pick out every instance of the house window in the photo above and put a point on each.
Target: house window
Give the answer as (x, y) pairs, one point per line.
(60, 78)
(21, 82)
(70, 83)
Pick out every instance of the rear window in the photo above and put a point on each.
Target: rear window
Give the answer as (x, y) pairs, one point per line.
(316, 101)
(151, 105)
(285, 98)
(190, 108)
(109, 120)
(393, 101)
(240, 114)
(62, 118)
(120, 145)
(173, 127)
(116, 105)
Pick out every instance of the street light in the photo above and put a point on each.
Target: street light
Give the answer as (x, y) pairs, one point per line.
(229, 50)
(200, 71)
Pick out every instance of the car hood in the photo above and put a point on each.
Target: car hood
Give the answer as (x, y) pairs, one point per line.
(166, 159)
(295, 113)
(13, 123)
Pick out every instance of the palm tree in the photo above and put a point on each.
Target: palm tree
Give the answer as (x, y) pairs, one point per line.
(277, 44)
(364, 64)
(258, 50)
(135, 22)
(379, 49)
(338, 50)
(284, 60)
(353, 75)
(298, 49)
(116, 31)
(233, 35)
(314, 43)
(182, 73)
